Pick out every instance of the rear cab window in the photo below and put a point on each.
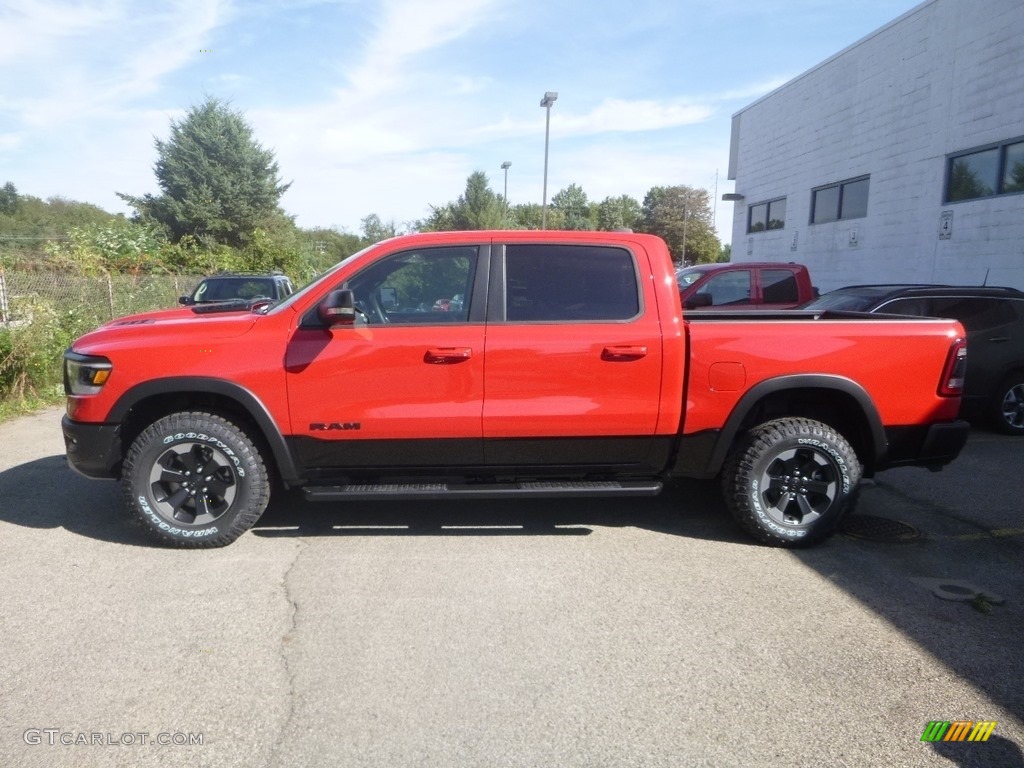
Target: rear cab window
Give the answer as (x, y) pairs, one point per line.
(570, 283)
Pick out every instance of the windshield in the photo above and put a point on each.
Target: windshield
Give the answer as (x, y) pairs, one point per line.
(688, 276)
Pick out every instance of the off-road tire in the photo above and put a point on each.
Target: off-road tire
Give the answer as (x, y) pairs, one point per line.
(195, 480)
(791, 481)
(1007, 408)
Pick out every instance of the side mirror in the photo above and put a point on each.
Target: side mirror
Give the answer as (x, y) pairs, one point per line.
(698, 300)
(338, 309)
(186, 300)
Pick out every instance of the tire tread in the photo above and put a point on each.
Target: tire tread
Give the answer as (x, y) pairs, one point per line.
(738, 474)
(256, 474)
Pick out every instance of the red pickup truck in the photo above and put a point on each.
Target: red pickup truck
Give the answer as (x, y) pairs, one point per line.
(567, 368)
(745, 285)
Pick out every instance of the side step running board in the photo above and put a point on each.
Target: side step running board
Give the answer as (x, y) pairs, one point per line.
(425, 491)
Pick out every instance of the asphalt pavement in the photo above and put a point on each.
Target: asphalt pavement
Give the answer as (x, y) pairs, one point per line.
(640, 632)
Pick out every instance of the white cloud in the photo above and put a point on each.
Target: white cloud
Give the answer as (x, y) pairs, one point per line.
(32, 30)
(98, 57)
(406, 29)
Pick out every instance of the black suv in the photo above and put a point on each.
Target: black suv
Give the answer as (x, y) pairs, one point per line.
(993, 319)
(229, 287)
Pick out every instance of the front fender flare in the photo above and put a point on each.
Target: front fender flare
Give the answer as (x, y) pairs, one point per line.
(246, 400)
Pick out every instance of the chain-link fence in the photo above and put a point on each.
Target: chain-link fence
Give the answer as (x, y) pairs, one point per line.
(104, 297)
(41, 313)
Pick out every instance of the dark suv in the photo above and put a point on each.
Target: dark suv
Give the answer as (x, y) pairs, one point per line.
(994, 321)
(229, 287)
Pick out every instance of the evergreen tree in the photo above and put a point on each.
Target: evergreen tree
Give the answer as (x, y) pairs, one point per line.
(217, 182)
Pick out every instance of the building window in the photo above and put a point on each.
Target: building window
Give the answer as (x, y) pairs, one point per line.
(991, 170)
(844, 200)
(769, 215)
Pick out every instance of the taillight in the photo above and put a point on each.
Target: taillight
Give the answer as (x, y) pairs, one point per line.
(952, 384)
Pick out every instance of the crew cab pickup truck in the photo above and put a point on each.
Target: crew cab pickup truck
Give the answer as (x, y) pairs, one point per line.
(745, 285)
(568, 368)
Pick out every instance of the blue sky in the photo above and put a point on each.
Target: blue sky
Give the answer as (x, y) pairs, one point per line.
(386, 106)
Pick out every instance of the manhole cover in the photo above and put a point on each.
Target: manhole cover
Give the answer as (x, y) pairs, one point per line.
(875, 528)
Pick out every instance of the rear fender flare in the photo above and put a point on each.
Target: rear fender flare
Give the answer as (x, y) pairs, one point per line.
(756, 394)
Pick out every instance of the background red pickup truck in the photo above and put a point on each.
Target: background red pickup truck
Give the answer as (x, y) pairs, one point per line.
(745, 285)
(567, 368)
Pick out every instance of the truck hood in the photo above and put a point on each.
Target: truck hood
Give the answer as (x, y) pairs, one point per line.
(148, 327)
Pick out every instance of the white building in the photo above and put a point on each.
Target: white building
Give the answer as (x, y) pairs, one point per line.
(899, 159)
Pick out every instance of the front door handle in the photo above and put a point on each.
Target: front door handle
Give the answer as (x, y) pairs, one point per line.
(623, 354)
(447, 355)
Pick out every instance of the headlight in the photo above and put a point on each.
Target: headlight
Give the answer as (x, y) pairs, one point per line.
(85, 374)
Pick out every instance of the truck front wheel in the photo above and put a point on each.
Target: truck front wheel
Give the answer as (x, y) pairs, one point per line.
(195, 480)
(791, 481)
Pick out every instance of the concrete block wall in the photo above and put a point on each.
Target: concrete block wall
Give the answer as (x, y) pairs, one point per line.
(944, 77)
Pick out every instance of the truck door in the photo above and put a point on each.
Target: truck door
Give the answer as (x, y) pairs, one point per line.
(404, 386)
(574, 357)
(728, 290)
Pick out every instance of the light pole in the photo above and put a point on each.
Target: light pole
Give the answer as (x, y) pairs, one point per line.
(505, 166)
(686, 218)
(546, 102)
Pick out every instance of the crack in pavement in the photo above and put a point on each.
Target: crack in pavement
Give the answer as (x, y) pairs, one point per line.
(288, 636)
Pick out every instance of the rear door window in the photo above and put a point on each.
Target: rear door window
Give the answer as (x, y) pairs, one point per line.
(977, 313)
(565, 283)
(778, 286)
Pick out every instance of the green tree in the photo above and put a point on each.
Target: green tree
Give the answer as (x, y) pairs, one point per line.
(121, 247)
(618, 212)
(681, 215)
(478, 207)
(26, 230)
(574, 206)
(441, 219)
(217, 181)
(375, 230)
(528, 216)
(725, 253)
(321, 248)
(8, 198)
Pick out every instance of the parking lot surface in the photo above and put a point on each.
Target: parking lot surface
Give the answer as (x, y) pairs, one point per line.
(583, 633)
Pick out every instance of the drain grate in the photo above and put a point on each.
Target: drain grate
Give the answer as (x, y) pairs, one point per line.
(874, 528)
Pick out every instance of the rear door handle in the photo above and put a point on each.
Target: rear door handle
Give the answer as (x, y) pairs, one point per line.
(447, 355)
(623, 354)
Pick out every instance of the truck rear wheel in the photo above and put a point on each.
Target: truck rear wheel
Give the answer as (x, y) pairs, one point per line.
(791, 481)
(195, 480)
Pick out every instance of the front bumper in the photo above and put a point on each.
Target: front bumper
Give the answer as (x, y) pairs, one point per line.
(932, 446)
(93, 450)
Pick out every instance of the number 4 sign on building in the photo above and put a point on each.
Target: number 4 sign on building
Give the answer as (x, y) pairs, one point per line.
(946, 225)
